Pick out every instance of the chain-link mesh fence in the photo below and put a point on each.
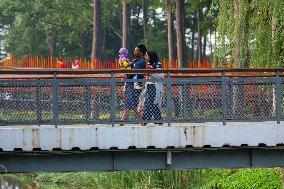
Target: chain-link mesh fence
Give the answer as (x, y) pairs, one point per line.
(117, 101)
(196, 101)
(250, 100)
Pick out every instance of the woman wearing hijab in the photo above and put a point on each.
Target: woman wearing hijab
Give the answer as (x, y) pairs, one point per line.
(154, 90)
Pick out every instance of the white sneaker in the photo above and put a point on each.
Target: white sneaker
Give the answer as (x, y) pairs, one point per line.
(137, 86)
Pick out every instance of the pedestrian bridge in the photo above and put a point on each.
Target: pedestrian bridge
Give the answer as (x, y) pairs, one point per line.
(62, 120)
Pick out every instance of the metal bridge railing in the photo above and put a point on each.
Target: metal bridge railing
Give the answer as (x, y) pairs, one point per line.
(56, 97)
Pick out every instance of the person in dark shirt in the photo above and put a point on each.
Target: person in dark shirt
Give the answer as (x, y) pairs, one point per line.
(153, 90)
(132, 92)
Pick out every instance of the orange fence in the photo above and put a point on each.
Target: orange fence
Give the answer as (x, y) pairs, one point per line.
(49, 62)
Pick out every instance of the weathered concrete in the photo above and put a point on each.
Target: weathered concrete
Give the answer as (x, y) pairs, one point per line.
(106, 137)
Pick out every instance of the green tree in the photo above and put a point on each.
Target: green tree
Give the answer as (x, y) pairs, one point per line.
(251, 32)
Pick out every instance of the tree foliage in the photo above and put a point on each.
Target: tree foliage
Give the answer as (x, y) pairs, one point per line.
(65, 27)
(252, 28)
(47, 27)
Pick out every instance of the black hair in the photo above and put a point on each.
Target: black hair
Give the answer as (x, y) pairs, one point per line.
(153, 57)
(142, 48)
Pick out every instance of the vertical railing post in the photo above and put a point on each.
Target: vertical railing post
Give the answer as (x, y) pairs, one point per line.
(278, 97)
(4, 108)
(55, 97)
(88, 101)
(112, 98)
(169, 98)
(223, 88)
(17, 99)
(38, 103)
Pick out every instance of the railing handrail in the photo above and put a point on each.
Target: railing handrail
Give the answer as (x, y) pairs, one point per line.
(19, 73)
(103, 71)
(12, 70)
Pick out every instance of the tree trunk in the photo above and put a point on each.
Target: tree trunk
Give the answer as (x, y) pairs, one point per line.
(180, 34)
(274, 30)
(170, 33)
(204, 46)
(210, 43)
(96, 29)
(145, 6)
(215, 39)
(192, 44)
(34, 44)
(183, 38)
(199, 37)
(103, 44)
(124, 24)
(51, 43)
(50, 47)
(85, 42)
(193, 37)
(246, 50)
(238, 32)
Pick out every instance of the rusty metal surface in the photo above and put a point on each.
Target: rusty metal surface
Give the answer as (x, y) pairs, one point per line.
(105, 137)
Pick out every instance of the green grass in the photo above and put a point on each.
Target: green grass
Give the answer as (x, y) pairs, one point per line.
(196, 179)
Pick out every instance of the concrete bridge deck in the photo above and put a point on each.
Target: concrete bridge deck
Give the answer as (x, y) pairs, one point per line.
(106, 148)
(106, 137)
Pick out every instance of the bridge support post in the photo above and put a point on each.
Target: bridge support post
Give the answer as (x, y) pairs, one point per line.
(169, 157)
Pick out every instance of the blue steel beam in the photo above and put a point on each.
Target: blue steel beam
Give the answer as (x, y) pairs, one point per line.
(114, 160)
